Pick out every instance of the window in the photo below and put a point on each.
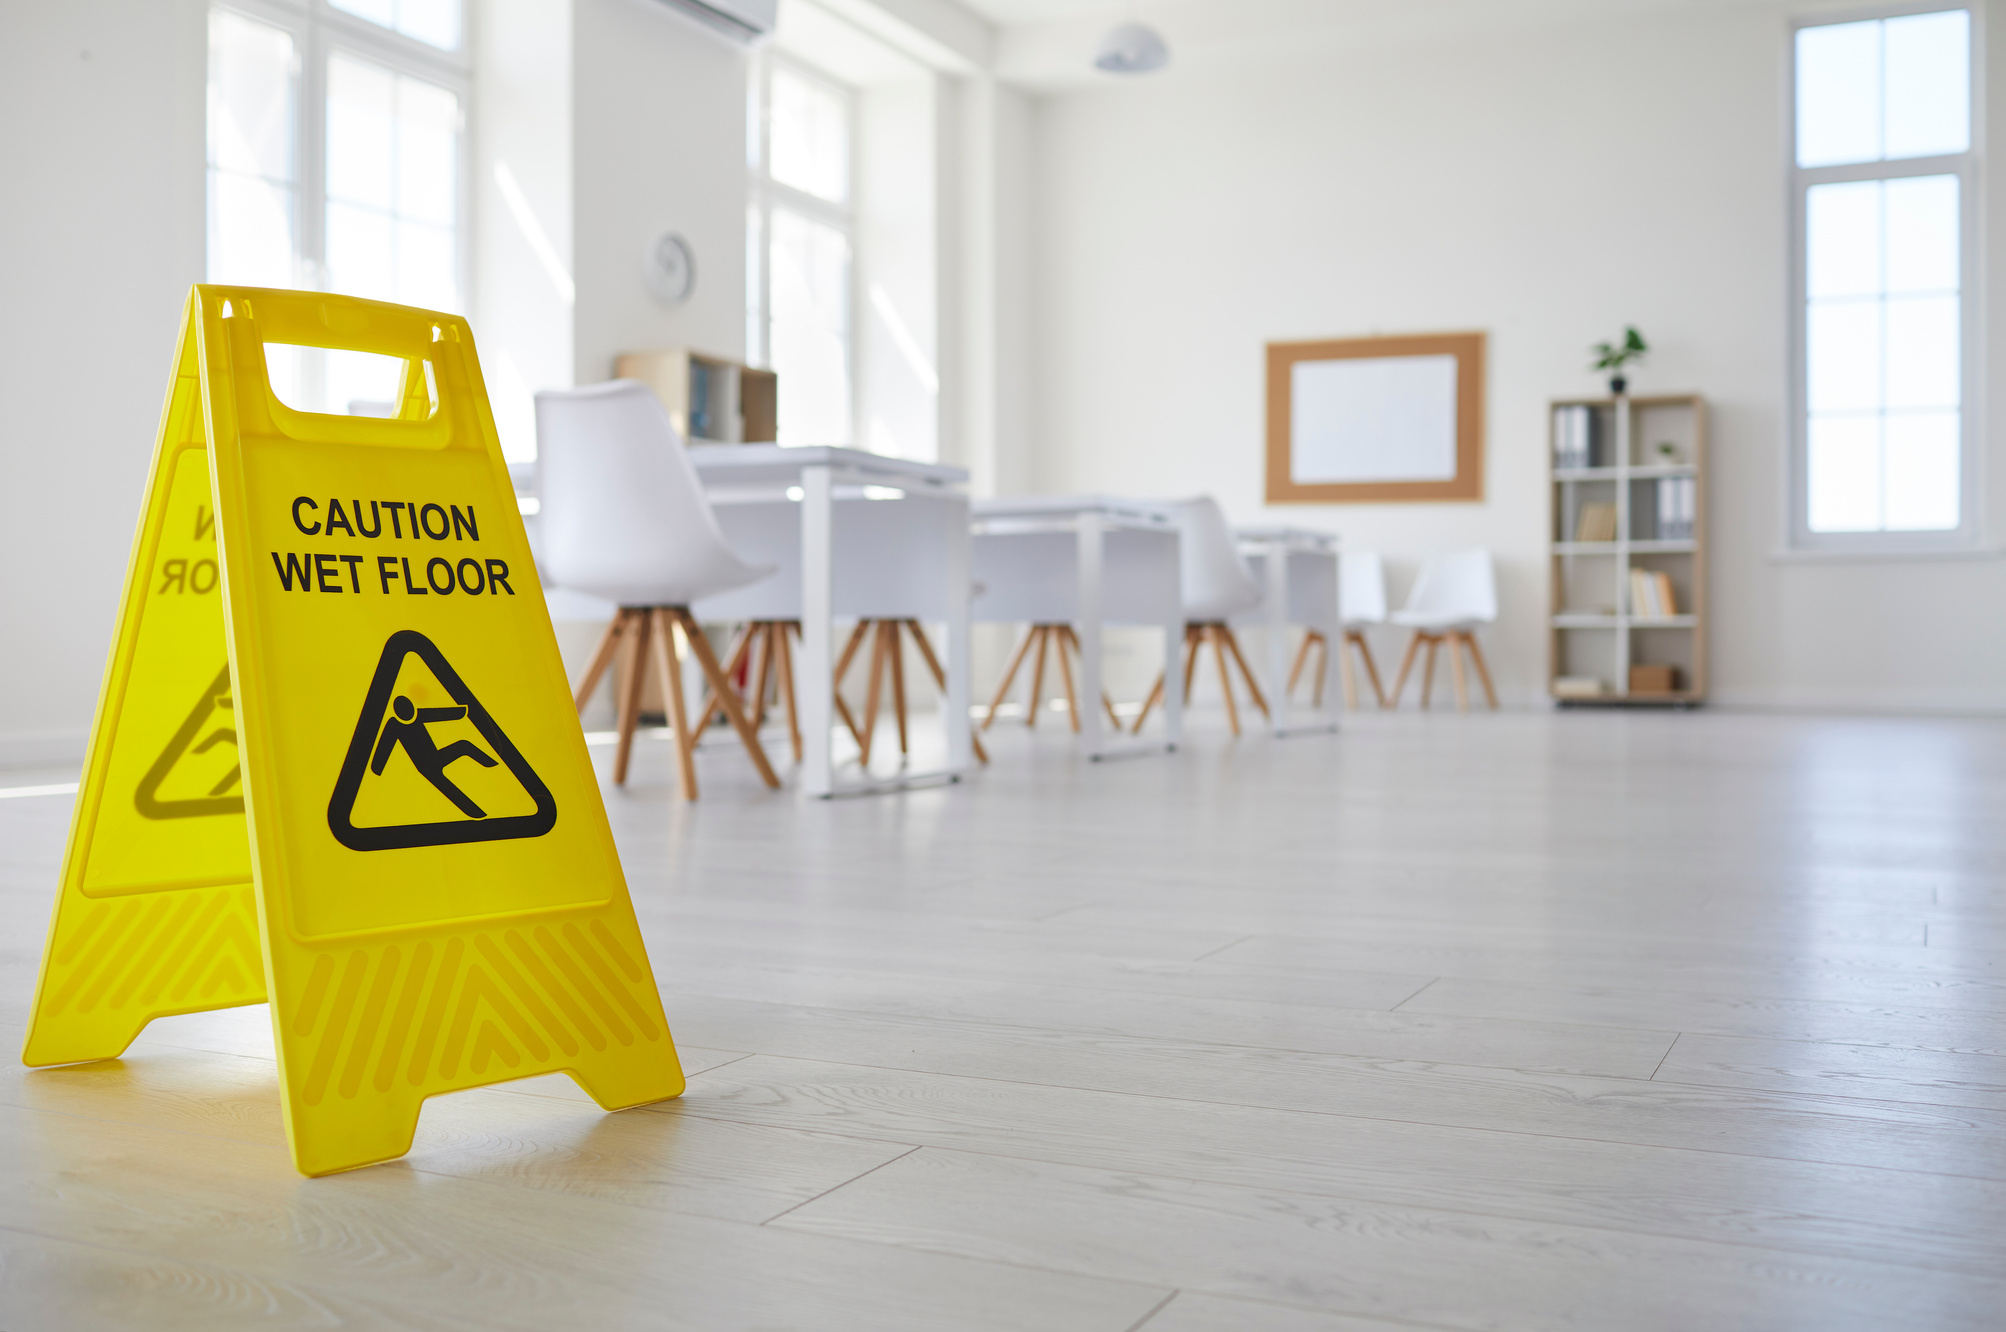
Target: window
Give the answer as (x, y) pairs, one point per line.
(337, 162)
(799, 250)
(1883, 333)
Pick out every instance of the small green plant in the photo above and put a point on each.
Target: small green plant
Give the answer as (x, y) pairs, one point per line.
(1613, 356)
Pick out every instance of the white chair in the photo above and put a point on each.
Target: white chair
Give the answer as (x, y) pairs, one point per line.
(1217, 587)
(624, 518)
(889, 577)
(1310, 580)
(1361, 603)
(1028, 573)
(1454, 594)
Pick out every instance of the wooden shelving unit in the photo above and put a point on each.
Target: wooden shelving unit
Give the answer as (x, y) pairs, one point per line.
(1597, 630)
(710, 400)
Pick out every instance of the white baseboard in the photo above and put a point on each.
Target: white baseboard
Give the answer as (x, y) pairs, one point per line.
(1867, 702)
(42, 749)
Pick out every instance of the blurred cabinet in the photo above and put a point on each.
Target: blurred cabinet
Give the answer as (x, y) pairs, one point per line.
(710, 400)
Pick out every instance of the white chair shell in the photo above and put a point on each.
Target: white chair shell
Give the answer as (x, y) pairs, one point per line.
(623, 512)
(1362, 587)
(1455, 590)
(1217, 583)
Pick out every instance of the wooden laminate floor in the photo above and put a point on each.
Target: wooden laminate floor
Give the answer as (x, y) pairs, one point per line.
(1580, 1021)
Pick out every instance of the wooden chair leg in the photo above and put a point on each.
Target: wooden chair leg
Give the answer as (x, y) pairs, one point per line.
(1302, 660)
(1010, 674)
(1371, 667)
(630, 693)
(920, 641)
(1456, 672)
(1069, 638)
(700, 646)
(741, 647)
(787, 684)
(842, 673)
(1065, 657)
(1348, 673)
(895, 649)
(1406, 665)
(1483, 671)
(1037, 675)
(1428, 670)
(1191, 641)
(602, 657)
(663, 642)
(1225, 631)
(1322, 669)
(1218, 639)
(762, 675)
(1155, 696)
(873, 689)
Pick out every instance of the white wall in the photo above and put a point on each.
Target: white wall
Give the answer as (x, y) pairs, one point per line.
(994, 184)
(619, 119)
(101, 234)
(1547, 185)
(658, 144)
(896, 338)
(523, 283)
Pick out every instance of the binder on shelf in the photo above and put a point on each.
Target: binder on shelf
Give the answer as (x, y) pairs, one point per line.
(1677, 500)
(1651, 595)
(1597, 523)
(1576, 443)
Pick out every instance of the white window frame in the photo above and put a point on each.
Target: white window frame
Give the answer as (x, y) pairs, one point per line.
(764, 192)
(319, 31)
(1971, 288)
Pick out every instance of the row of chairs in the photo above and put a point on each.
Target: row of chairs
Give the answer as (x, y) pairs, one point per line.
(624, 518)
(1454, 594)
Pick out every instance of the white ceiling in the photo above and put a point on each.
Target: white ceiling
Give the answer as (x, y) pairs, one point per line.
(1049, 44)
(1044, 11)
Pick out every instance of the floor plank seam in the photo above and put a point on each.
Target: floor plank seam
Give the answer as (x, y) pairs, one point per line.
(1062, 911)
(1223, 947)
(1105, 1034)
(1159, 1307)
(693, 1107)
(1416, 995)
(909, 1150)
(1528, 1217)
(1661, 1061)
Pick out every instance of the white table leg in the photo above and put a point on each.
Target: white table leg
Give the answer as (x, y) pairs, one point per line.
(1278, 636)
(815, 687)
(960, 657)
(1092, 558)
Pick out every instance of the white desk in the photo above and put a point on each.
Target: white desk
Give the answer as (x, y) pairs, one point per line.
(1090, 518)
(771, 470)
(1278, 548)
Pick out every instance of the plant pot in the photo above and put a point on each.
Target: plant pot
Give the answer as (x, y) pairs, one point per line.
(1617, 384)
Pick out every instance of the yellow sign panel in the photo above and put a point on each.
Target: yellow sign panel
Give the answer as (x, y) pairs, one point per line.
(335, 759)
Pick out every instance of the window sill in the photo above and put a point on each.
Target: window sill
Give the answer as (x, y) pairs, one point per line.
(1890, 555)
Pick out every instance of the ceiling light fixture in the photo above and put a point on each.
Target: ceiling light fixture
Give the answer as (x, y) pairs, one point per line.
(1132, 48)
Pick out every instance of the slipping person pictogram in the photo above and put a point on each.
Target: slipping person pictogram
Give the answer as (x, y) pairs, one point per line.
(411, 729)
(391, 720)
(214, 719)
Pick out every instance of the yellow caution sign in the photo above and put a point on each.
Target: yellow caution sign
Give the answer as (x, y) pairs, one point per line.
(335, 759)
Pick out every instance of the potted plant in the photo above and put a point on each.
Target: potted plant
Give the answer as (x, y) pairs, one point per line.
(1613, 356)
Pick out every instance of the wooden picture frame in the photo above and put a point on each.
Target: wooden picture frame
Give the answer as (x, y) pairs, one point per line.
(1464, 483)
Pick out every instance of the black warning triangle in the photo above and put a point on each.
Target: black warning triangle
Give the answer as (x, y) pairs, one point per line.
(210, 723)
(381, 729)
